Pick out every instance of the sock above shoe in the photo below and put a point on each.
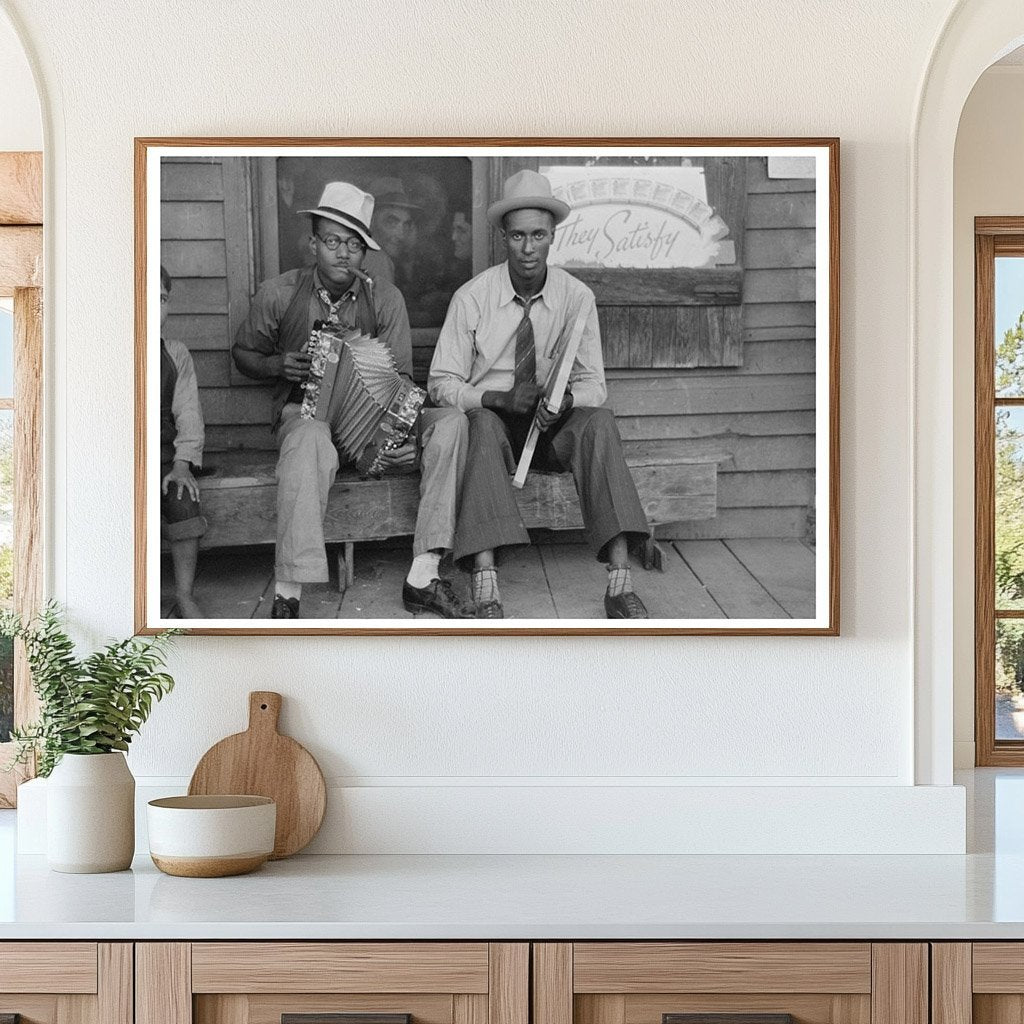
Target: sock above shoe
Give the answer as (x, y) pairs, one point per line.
(485, 585)
(620, 580)
(424, 570)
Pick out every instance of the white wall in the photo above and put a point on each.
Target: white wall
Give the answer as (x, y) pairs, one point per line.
(21, 127)
(987, 182)
(429, 716)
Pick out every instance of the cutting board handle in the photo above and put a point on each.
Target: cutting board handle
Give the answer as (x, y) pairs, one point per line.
(264, 710)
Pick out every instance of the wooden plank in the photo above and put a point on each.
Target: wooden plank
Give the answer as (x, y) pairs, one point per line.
(198, 331)
(28, 483)
(781, 210)
(21, 188)
(997, 1009)
(727, 192)
(75, 1010)
(196, 220)
(603, 1009)
(232, 584)
(339, 967)
(998, 967)
(552, 983)
(680, 286)
(201, 295)
(711, 336)
(732, 341)
(163, 983)
(755, 967)
(229, 438)
(779, 286)
(951, 1001)
(115, 983)
(242, 510)
(805, 1008)
(225, 1009)
(614, 325)
(238, 405)
(676, 395)
(779, 314)
(758, 180)
(525, 588)
(751, 424)
(376, 590)
(508, 994)
(785, 568)
(733, 588)
(194, 258)
(66, 967)
(900, 991)
(468, 1009)
(741, 523)
(766, 489)
(785, 333)
(213, 369)
(731, 453)
(21, 258)
(238, 232)
(665, 345)
(780, 248)
(641, 323)
(191, 181)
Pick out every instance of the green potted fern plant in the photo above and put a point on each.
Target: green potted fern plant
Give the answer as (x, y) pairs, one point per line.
(89, 709)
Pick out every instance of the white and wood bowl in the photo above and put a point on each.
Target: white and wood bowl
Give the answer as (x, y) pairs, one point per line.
(211, 836)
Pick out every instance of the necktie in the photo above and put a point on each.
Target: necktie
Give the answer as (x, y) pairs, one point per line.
(526, 351)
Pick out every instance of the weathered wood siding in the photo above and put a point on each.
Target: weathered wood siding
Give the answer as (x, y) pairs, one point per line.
(755, 419)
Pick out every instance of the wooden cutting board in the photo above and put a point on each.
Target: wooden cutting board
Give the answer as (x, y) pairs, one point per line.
(262, 762)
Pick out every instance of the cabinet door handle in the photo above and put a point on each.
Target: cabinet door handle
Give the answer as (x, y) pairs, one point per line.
(726, 1018)
(337, 1018)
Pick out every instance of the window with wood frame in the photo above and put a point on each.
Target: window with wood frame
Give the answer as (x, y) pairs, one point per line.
(21, 317)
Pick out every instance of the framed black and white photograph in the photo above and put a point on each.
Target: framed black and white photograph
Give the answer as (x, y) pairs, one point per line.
(457, 386)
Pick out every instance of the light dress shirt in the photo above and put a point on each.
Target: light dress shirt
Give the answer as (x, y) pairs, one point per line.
(476, 349)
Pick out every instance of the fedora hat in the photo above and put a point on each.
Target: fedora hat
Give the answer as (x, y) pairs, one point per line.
(527, 190)
(391, 192)
(349, 206)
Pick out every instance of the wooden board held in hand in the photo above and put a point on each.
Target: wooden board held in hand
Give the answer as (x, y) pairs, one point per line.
(262, 762)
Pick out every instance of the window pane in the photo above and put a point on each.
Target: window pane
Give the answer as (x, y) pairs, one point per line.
(1009, 481)
(1009, 679)
(1009, 322)
(6, 352)
(6, 567)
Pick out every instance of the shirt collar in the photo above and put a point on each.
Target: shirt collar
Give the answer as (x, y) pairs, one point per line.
(353, 289)
(507, 292)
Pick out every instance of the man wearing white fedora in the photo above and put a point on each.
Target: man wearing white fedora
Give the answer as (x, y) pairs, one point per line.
(271, 345)
(496, 344)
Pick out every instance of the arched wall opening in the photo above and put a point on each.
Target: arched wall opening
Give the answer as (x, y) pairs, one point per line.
(976, 35)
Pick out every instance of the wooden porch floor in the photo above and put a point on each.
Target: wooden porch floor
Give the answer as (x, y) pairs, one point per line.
(703, 579)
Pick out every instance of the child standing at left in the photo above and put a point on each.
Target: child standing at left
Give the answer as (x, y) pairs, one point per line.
(182, 435)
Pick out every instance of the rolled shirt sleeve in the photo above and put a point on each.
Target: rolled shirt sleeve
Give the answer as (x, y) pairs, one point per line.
(190, 436)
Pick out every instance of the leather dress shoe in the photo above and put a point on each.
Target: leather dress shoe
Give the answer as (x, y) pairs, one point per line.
(624, 606)
(438, 596)
(490, 610)
(285, 607)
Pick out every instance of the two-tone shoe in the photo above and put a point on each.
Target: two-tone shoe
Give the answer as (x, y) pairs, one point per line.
(439, 597)
(624, 606)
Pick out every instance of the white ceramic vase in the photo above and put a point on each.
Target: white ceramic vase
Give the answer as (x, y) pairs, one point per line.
(90, 814)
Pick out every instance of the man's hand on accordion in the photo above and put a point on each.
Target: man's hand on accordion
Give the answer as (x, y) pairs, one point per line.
(295, 366)
(403, 457)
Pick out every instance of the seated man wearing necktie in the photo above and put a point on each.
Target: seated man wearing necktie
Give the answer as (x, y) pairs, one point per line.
(496, 343)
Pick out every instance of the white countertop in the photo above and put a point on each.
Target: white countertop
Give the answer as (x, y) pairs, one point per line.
(516, 897)
(976, 896)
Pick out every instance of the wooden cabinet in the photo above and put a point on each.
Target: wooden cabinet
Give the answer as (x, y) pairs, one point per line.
(654, 982)
(66, 982)
(260, 982)
(978, 983)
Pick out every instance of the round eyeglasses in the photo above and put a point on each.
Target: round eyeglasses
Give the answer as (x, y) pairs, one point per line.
(351, 243)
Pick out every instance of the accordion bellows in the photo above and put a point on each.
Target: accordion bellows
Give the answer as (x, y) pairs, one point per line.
(354, 385)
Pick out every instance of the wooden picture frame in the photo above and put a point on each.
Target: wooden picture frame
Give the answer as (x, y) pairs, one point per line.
(722, 367)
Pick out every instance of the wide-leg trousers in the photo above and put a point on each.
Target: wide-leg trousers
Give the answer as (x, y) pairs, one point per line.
(307, 465)
(585, 441)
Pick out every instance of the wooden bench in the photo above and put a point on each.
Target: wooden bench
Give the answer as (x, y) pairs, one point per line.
(239, 501)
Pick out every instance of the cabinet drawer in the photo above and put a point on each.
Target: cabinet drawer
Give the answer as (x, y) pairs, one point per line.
(730, 983)
(64, 967)
(332, 983)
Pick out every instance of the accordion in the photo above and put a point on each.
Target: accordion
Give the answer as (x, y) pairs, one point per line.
(354, 385)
